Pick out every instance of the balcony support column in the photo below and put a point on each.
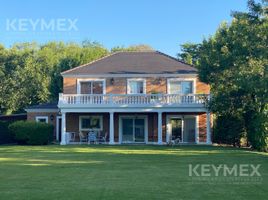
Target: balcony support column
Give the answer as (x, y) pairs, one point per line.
(63, 129)
(111, 130)
(159, 128)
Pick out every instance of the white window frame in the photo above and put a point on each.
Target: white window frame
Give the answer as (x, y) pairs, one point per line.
(90, 116)
(181, 80)
(136, 79)
(41, 117)
(78, 89)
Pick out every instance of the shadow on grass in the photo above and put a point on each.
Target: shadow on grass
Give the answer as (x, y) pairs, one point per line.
(54, 155)
(128, 149)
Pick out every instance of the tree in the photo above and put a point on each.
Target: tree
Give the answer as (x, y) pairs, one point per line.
(229, 129)
(189, 53)
(140, 47)
(30, 73)
(234, 61)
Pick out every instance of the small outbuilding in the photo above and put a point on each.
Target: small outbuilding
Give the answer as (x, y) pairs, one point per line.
(47, 113)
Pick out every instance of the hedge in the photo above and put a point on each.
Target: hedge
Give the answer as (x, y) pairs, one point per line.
(228, 130)
(5, 136)
(32, 133)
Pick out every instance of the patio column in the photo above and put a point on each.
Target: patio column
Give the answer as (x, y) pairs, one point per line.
(159, 136)
(63, 129)
(197, 129)
(111, 132)
(208, 128)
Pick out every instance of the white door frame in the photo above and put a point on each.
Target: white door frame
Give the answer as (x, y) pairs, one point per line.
(169, 128)
(145, 117)
(57, 128)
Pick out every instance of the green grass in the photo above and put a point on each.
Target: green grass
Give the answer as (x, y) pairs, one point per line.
(123, 172)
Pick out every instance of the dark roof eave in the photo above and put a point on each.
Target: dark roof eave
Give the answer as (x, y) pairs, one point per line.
(43, 106)
(194, 73)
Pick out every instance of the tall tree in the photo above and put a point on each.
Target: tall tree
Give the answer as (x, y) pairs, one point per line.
(234, 62)
(140, 47)
(189, 53)
(30, 73)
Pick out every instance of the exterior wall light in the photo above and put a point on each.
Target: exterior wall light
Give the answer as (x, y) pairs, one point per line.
(112, 81)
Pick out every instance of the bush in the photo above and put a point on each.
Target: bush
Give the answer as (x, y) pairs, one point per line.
(5, 136)
(32, 133)
(228, 130)
(257, 130)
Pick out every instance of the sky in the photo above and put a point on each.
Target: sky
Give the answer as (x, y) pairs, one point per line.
(164, 25)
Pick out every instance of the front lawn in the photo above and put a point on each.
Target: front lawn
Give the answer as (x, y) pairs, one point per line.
(125, 172)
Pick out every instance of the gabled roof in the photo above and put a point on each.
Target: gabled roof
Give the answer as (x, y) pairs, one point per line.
(149, 62)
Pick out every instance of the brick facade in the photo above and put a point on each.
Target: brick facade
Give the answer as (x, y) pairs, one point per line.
(31, 116)
(202, 127)
(119, 85)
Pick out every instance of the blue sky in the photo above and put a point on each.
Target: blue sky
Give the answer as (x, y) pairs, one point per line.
(162, 24)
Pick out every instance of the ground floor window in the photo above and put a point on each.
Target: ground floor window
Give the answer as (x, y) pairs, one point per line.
(43, 119)
(90, 123)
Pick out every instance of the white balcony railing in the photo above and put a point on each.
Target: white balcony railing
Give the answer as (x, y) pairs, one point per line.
(131, 99)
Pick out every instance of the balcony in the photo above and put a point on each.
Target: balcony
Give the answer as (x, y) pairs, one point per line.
(132, 100)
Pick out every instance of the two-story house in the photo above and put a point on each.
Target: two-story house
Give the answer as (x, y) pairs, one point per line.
(131, 97)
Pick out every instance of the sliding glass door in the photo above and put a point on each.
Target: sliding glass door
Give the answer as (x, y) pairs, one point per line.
(181, 128)
(139, 130)
(133, 129)
(189, 130)
(176, 128)
(127, 130)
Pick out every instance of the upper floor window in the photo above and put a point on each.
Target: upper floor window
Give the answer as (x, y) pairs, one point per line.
(136, 86)
(91, 87)
(180, 86)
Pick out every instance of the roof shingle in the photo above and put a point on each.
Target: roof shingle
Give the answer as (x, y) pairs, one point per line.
(150, 62)
(52, 105)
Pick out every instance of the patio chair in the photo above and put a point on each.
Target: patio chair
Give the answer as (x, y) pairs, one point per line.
(174, 141)
(82, 137)
(92, 137)
(103, 137)
(177, 141)
(71, 136)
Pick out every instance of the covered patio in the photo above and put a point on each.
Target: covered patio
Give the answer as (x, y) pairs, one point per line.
(135, 128)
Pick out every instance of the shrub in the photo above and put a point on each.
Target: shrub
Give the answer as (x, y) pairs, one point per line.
(228, 130)
(32, 133)
(5, 136)
(257, 130)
